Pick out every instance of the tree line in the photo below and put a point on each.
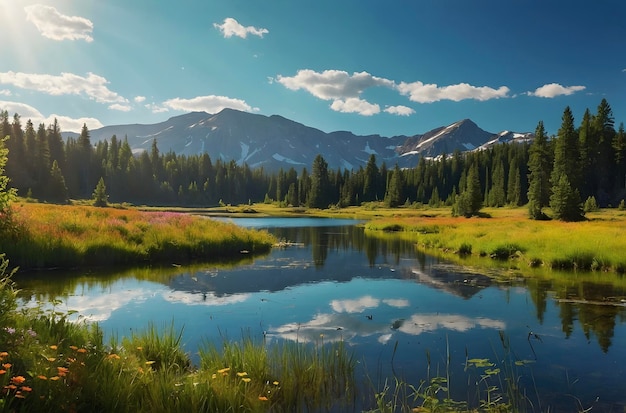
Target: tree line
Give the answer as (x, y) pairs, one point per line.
(587, 162)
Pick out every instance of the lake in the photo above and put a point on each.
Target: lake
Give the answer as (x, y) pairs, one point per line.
(402, 312)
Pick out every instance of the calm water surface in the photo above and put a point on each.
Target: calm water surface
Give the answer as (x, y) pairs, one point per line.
(400, 311)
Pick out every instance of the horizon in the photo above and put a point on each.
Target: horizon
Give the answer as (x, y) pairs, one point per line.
(389, 69)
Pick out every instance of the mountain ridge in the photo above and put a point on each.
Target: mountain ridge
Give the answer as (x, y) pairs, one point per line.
(275, 142)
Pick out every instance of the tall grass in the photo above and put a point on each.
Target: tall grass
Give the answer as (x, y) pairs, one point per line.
(51, 236)
(49, 364)
(596, 244)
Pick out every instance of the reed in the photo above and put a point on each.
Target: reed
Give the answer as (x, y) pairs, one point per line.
(52, 236)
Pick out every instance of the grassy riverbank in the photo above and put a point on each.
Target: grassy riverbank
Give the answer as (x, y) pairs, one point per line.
(507, 236)
(500, 237)
(64, 236)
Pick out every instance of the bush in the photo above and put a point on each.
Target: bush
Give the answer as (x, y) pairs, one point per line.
(465, 249)
(591, 205)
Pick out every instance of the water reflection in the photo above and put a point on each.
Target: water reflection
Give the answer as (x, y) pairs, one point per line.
(331, 283)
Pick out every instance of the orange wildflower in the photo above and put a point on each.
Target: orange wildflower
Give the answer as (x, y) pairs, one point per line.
(263, 398)
(26, 388)
(2, 372)
(40, 377)
(18, 380)
(81, 350)
(74, 348)
(53, 347)
(62, 371)
(10, 387)
(7, 365)
(3, 354)
(19, 395)
(51, 359)
(55, 378)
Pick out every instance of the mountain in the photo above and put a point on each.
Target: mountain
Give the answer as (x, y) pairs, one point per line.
(274, 142)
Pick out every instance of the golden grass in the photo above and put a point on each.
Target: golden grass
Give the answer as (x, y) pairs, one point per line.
(69, 236)
(595, 244)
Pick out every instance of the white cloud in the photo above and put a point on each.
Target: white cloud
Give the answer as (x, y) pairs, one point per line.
(57, 26)
(355, 105)
(429, 93)
(332, 84)
(209, 104)
(355, 306)
(93, 86)
(67, 123)
(399, 110)
(552, 90)
(232, 27)
(156, 108)
(5, 92)
(121, 108)
(139, 99)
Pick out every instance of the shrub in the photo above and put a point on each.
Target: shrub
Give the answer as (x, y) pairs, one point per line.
(465, 249)
(591, 205)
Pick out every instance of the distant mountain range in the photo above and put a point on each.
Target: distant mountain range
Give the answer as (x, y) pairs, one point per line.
(274, 142)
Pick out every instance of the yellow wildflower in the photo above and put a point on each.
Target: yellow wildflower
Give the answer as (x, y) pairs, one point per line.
(275, 383)
(55, 378)
(224, 370)
(246, 379)
(53, 347)
(242, 374)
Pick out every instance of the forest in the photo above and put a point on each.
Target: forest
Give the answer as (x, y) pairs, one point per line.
(580, 168)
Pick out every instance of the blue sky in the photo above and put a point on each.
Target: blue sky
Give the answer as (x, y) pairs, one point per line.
(384, 67)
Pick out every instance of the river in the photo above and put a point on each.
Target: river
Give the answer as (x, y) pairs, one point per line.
(404, 314)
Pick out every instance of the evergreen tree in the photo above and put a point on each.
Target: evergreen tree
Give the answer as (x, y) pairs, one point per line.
(619, 147)
(565, 200)
(57, 190)
(320, 184)
(370, 184)
(393, 197)
(497, 196)
(7, 194)
(100, 197)
(469, 202)
(514, 189)
(539, 164)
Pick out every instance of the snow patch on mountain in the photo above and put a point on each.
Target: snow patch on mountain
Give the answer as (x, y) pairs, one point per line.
(281, 158)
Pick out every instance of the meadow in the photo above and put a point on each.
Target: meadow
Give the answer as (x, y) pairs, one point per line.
(45, 236)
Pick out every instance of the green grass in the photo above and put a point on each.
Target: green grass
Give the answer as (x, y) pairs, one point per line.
(54, 236)
(507, 236)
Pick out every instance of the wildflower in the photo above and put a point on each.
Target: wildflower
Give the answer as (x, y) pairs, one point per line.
(242, 374)
(53, 347)
(19, 395)
(41, 377)
(74, 348)
(3, 354)
(7, 365)
(11, 387)
(51, 359)
(2, 372)
(214, 376)
(81, 350)
(113, 357)
(224, 370)
(139, 348)
(18, 380)
(263, 398)
(55, 378)
(26, 389)
(149, 363)
(275, 383)
(31, 333)
(246, 379)
(9, 330)
(62, 371)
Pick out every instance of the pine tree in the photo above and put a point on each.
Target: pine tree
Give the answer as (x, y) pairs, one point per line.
(57, 190)
(469, 202)
(540, 166)
(565, 200)
(393, 197)
(100, 197)
(370, 183)
(320, 184)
